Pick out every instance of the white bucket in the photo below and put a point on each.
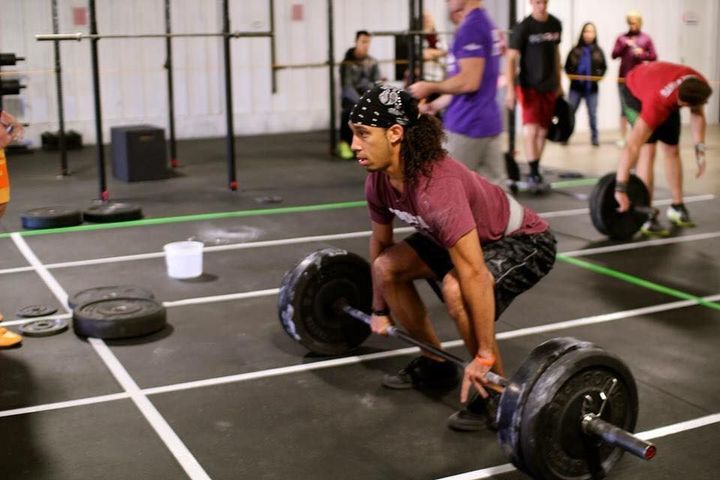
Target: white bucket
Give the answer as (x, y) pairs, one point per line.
(184, 259)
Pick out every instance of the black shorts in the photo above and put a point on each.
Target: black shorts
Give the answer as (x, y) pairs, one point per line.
(517, 262)
(668, 132)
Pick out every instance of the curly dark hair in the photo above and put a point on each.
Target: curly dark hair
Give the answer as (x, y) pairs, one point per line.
(421, 147)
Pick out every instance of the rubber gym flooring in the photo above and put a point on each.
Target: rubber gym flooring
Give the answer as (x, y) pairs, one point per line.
(224, 393)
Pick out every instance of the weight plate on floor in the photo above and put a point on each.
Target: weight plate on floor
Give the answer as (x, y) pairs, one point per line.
(603, 208)
(512, 403)
(310, 293)
(112, 212)
(119, 318)
(44, 327)
(32, 311)
(115, 291)
(553, 443)
(51, 217)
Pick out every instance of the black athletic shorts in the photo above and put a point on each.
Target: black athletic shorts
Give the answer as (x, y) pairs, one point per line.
(667, 132)
(517, 262)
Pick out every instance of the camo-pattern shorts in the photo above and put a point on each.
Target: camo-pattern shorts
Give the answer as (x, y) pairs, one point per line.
(517, 262)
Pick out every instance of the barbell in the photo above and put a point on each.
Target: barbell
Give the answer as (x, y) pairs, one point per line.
(567, 412)
(603, 208)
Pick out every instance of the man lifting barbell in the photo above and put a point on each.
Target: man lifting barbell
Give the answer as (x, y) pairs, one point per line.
(652, 100)
(480, 243)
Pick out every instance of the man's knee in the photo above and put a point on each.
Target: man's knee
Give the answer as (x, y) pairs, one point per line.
(388, 268)
(452, 296)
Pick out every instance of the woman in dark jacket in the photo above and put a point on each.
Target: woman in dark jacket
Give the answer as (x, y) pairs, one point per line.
(586, 59)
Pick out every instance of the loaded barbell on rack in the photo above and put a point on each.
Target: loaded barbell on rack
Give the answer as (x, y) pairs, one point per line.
(603, 208)
(567, 413)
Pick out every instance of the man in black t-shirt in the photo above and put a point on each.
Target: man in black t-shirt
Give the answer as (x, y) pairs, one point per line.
(535, 42)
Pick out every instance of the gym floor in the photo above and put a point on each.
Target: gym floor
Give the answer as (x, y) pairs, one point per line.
(224, 393)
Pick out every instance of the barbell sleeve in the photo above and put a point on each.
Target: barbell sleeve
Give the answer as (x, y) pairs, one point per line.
(609, 433)
(399, 334)
(642, 209)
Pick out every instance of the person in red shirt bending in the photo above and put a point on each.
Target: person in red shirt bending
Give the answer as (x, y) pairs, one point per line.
(655, 93)
(480, 244)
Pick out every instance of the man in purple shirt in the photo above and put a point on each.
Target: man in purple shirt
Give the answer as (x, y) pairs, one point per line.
(632, 48)
(477, 241)
(472, 119)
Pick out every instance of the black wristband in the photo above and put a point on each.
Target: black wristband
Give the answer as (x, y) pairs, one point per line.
(381, 312)
(621, 187)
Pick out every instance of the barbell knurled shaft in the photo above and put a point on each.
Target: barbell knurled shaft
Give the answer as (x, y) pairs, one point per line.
(394, 332)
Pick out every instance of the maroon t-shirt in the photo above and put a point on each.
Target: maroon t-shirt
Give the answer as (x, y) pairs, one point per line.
(447, 204)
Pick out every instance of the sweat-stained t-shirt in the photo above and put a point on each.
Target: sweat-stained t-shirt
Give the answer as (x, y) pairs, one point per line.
(448, 204)
(656, 85)
(476, 114)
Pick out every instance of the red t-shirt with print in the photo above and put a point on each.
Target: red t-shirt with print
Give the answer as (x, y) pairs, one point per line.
(447, 204)
(656, 85)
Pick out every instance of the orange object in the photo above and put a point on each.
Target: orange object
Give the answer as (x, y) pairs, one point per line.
(8, 338)
(4, 179)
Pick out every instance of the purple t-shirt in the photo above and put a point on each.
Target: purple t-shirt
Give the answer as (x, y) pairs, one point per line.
(476, 114)
(447, 204)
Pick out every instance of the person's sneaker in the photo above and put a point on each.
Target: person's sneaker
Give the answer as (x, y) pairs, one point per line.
(621, 143)
(595, 142)
(653, 228)
(479, 414)
(679, 216)
(423, 372)
(537, 185)
(344, 151)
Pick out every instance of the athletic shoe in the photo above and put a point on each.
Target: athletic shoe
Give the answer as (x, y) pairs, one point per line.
(679, 216)
(621, 143)
(653, 228)
(537, 185)
(423, 372)
(344, 151)
(479, 414)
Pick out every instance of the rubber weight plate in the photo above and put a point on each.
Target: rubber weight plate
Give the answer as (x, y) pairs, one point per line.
(553, 443)
(107, 292)
(563, 122)
(309, 295)
(32, 311)
(51, 217)
(44, 327)
(603, 207)
(112, 212)
(514, 398)
(119, 318)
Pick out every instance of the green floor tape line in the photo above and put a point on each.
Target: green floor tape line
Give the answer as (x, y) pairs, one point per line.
(580, 182)
(193, 218)
(637, 281)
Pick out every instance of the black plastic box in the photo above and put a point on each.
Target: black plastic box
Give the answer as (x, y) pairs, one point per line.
(138, 153)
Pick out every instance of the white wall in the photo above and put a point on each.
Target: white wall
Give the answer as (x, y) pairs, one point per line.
(133, 81)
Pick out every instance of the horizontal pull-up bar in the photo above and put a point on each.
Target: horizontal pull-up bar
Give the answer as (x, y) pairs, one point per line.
(54, 37)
